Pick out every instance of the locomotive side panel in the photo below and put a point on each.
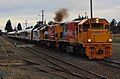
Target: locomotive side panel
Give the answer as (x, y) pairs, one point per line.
(71, 31)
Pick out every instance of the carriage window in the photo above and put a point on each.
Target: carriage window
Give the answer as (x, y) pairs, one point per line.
(36, 33)
(97, 26)
(25, 33)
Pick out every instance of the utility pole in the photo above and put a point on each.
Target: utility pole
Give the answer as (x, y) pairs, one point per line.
(26, 23)
(42, 16)
(91, 11)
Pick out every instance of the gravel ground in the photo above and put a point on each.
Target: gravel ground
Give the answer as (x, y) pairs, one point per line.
(12, 72)
(9, 68)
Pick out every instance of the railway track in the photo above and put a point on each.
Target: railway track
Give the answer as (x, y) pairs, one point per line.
(67, 63)
(27, 62)
(63, 70)
(3, 49)
(10, 57)
(6, 47)
(112, 63)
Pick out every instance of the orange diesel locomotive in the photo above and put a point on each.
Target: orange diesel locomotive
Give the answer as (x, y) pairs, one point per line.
(89, 37)
(95, 36)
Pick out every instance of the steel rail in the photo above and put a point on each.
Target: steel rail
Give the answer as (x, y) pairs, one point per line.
(66, 70)
(98, 75)
(6, 55)
(72, 73)
(113, 63)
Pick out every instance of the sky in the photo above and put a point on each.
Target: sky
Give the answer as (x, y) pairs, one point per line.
(18, 11)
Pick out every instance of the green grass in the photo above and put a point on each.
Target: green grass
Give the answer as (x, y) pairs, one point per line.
(116, 39)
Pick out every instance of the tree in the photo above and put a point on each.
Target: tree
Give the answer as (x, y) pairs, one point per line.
(19, 26)
(113, 26)
(114, 22)
(8, 26)
(39, 24)
(0, 32)
(118, 26)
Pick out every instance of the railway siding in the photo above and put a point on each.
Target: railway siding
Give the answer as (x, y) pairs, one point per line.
(56, 61)
(16, 67)
(97, 67)
(76, 71)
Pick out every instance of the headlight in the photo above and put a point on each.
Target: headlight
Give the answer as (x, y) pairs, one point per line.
(110, 40)
(89, 40)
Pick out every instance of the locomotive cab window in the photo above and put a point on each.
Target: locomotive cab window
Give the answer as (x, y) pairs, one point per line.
(86, 27)
(107, 27)
(97, 26)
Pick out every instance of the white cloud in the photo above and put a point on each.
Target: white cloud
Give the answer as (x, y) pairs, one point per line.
(21, 10)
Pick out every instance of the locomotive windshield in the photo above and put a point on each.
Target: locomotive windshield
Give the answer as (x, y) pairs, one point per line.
(97, 26)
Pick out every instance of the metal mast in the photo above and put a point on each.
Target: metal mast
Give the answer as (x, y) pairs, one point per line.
(26, 23)
(91, 10)
(42, 16)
